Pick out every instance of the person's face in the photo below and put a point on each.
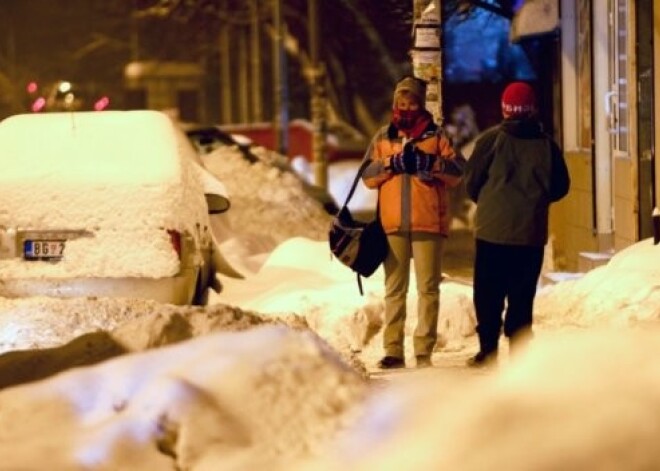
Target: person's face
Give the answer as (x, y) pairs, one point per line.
(407, 102)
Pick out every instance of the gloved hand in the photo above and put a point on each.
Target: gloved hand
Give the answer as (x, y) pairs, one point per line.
(396, 163)
(409, 159)
(424, 162)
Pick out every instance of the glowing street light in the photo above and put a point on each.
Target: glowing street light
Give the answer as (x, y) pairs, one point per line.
(64, 87)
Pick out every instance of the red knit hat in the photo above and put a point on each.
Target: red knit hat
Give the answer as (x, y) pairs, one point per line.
(518, 99)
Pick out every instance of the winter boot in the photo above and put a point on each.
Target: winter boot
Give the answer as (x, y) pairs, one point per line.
(483, 360)
(390, 362)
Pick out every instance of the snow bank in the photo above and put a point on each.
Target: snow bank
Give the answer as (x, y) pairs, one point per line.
(40, 337)
(300, 276)
(269, 206)
(576, 400)
(623, 292)
(227, 401)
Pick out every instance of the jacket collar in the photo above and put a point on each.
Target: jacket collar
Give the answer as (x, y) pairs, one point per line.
(393, 133)
(522, 128)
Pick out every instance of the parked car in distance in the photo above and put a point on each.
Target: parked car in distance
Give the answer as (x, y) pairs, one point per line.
(207, 138)
(111, 203)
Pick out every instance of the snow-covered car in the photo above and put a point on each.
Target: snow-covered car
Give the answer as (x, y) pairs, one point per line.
(208, 138)
(111, 203)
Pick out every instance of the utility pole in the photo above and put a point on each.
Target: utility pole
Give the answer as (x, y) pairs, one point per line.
(426, 53)
(316, 76)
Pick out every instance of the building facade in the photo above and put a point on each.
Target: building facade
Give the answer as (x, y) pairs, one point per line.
(610, 82)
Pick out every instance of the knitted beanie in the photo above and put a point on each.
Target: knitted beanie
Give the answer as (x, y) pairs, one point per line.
(518, 100)
(412, 85)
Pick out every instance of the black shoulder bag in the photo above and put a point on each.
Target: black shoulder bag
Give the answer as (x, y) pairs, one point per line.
(361, 246)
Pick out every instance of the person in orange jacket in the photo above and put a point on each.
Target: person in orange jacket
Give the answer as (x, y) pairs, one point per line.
(412, 166)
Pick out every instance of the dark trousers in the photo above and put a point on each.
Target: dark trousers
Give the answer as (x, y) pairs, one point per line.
(504, 273)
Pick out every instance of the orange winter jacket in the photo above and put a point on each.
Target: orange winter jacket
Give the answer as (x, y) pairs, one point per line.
(418, 202)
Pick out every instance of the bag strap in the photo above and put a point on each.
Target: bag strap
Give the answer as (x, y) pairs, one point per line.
(363, 166)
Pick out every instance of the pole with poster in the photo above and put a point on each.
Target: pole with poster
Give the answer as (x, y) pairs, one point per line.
(426, 54)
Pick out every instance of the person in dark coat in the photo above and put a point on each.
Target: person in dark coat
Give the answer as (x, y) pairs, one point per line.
(513, 175)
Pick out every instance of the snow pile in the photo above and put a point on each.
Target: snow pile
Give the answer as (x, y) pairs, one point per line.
(42, 322)
(43, 336)
(269, 206)
(457, 320)
(580, 400)
(624, 291)
(301, 277)
(228, 401)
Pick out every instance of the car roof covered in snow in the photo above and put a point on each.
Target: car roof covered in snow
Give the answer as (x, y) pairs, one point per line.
(80, 147)
(97, 169)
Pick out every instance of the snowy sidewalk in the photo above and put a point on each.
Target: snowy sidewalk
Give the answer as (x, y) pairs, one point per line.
(448, 368)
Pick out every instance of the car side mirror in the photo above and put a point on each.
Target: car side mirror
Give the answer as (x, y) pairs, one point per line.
(217, 203)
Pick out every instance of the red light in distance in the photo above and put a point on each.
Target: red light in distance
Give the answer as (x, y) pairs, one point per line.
(39, 104)
(102, 103)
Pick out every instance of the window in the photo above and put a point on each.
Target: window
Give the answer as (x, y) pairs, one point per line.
(618, 51)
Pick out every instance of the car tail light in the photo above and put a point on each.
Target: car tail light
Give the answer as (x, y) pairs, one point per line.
(175, 239)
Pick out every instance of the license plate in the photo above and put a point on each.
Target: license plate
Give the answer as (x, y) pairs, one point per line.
(43, 249)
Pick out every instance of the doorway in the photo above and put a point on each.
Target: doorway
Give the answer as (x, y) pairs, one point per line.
(645, 116)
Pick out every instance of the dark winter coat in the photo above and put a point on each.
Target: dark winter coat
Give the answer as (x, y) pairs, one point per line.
(514, 173)
(417, 202)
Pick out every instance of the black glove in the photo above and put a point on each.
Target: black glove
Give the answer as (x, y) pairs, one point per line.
(396, 163)
(424, 162)
(409, 159)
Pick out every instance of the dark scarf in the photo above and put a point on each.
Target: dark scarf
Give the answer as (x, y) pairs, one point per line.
(411, 122)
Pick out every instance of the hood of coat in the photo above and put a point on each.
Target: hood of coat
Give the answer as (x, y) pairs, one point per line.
(528, 128)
